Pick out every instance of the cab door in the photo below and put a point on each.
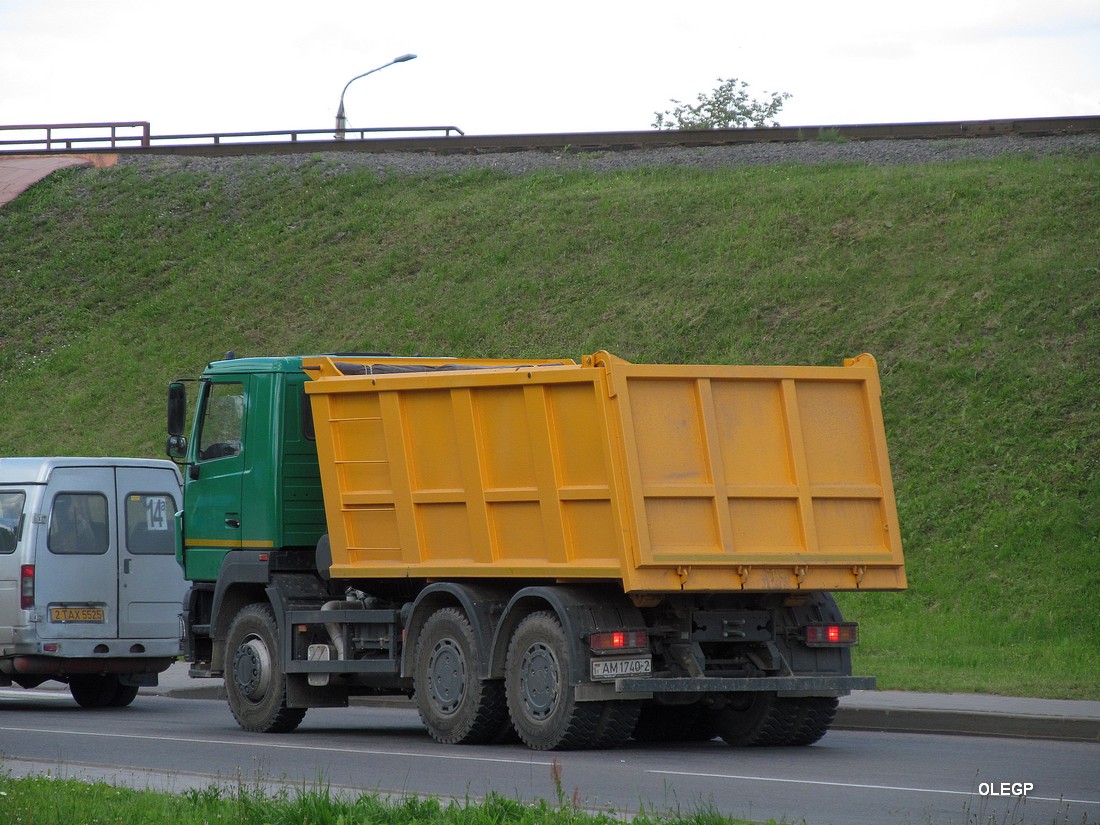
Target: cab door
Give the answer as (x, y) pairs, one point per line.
(212, 496)
(76, 556)
(151, 583)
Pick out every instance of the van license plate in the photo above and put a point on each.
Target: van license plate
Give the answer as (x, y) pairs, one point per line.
(77, 614)
(614, 668)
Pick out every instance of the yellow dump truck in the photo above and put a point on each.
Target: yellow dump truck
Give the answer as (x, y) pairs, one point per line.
(574, 552)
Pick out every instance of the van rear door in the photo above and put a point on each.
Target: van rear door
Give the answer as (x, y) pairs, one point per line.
(12, 527)
(76, 557)
(151, 583)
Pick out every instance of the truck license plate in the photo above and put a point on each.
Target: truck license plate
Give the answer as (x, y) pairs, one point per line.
(77, 614)
(614, 668)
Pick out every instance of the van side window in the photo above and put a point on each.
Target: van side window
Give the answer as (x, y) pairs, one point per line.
(11, 513)
(149, 524)
(222, 419)
(79, 525)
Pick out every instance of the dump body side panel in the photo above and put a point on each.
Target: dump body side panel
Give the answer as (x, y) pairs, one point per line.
(665, 478)
(483, 473)
(756, 478)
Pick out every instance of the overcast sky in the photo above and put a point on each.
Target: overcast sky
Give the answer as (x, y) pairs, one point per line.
(521, 67)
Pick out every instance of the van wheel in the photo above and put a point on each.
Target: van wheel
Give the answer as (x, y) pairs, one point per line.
(124, 696)
(254, 685)
(543, 705)
(93, 690)
(457, 707)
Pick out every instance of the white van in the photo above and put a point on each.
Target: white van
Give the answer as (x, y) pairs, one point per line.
(90, 590)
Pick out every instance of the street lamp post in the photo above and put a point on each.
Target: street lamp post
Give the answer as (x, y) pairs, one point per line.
(341, 118)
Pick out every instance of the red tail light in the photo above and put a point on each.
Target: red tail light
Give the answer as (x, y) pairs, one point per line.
(619, 640)
(26, 587)
(844, 634)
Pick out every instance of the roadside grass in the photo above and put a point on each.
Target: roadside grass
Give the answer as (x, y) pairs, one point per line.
(46, 800)
(975, 284)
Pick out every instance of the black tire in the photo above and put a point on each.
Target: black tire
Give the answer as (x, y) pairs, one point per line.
(93, 690)
(757, 720)
(254, 685)
(124, 696)
(674, 723)
(815, 714)
(617, 722)
(543, 705)
(456, 706)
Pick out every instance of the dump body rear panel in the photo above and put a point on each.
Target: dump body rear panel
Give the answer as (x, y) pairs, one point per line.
(666, 478)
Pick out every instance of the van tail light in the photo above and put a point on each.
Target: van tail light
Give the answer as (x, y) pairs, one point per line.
(26, 587)
(845, 634)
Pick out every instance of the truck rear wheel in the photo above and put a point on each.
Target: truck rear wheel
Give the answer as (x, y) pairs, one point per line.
(254, 685)
(674, 723)
(543, 705)
(456, 706)
(815, 715)
(757, 719)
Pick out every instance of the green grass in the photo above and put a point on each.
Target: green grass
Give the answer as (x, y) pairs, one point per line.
(975, 284)
(45, 800)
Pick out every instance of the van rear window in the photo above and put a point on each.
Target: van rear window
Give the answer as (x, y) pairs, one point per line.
(149, 524)
(79, 525)
(11, 515)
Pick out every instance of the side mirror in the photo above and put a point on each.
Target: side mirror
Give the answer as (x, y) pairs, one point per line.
(176, 446)
(177, 420)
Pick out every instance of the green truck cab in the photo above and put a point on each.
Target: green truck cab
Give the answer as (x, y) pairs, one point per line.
(252, 446)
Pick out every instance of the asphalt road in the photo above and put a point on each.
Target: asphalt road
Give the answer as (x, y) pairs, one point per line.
(849, 777)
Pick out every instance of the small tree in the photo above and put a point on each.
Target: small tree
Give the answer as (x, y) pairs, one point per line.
(727, 107)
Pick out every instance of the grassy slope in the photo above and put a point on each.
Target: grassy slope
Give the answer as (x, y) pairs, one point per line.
(976, 285)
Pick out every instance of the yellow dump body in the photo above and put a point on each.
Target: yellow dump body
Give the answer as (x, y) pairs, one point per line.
(666, 478)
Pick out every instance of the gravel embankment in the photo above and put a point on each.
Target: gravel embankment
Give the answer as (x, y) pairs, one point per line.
(872, 153)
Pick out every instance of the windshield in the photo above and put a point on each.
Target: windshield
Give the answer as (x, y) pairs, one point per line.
(11, 515)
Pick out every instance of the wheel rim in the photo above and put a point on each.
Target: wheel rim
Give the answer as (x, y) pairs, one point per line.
(446, 676)
(252, 669)
(539, 677)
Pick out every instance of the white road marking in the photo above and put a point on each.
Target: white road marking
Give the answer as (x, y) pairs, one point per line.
(861, 786)
(281, 746)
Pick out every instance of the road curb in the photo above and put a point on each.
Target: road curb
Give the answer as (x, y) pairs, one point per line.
(967, 723)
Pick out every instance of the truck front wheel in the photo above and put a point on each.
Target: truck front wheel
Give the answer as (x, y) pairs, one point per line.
(254, 685)
(457, 707)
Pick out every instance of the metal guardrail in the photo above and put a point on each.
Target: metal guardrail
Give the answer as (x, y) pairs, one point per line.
(293, 135)
(84, 137)
(61, 137)
(72, 137)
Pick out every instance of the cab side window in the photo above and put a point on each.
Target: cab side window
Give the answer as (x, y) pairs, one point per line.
(149, 525)
(79, 525)
(222, 421)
